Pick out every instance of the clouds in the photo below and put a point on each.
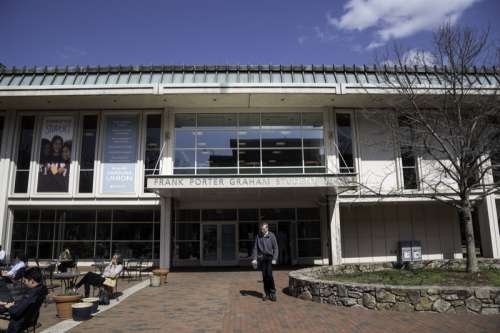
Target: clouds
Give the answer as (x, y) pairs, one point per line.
(392, 19)
(414, 57)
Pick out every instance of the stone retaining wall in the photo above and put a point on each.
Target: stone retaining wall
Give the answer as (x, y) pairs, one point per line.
(305, 284)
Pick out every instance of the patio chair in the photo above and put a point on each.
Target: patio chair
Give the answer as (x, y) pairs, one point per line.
(47, 274)
(133, 267)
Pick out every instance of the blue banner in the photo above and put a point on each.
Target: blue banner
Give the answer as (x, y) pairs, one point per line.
(119, 154)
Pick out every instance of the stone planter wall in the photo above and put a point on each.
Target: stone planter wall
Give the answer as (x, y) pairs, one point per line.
(305, 284)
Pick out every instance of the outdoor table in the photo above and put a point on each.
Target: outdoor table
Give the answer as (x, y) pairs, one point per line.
(67, 278)
(10, 292)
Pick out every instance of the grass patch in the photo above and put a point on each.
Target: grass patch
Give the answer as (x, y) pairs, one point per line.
(419, 277)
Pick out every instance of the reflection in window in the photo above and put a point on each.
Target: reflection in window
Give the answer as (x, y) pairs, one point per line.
(153, 142)
(88, 234)
(495, 163)
(1, 131)
(249, 143)
(24, 154)
(408, 156)
(344, 139)
(87, 154)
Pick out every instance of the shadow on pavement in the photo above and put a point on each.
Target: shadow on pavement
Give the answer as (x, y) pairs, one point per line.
(251, 293)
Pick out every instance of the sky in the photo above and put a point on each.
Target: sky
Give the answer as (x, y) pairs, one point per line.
(194, 32)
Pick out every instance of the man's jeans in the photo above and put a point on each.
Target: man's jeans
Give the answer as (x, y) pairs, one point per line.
(266, 266)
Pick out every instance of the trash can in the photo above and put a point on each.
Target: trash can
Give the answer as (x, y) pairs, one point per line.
(416, 251)
(404, 251)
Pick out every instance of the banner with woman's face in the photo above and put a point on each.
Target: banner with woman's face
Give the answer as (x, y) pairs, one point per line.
(55, 154)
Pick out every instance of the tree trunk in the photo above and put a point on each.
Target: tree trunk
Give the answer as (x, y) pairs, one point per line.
(466, 219)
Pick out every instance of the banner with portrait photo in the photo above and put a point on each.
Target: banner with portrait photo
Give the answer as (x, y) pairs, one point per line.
(55, 154)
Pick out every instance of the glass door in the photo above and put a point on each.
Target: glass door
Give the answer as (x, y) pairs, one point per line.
(219, 244)
(209, 244)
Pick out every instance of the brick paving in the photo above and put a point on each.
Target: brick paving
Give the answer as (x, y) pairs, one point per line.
(230, 301)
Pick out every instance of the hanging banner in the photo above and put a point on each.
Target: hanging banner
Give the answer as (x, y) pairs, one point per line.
(55, 154)
(119, 154)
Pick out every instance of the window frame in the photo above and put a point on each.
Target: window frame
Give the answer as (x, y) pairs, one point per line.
(354, 141)
(15, 155)
(260, 170)
(79, 140)
(143, 139)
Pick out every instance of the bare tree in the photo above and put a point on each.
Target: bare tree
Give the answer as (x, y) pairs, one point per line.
(452, 124)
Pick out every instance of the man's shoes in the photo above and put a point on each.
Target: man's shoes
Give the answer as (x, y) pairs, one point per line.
(265, 298)
(272, 297)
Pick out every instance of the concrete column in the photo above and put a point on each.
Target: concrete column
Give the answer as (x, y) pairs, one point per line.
(165, 232)
(488, 227)
(335, 236)
(6, 153)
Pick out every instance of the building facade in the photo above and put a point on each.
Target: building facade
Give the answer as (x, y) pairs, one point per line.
(179, 164)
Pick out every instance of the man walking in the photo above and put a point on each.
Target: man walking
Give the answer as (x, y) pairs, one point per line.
(265, 254)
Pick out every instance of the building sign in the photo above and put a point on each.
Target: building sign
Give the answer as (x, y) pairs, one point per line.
(119, 154)
(179, 182)
(55, 154)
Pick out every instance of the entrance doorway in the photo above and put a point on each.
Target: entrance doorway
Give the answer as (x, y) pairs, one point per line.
(218, 244)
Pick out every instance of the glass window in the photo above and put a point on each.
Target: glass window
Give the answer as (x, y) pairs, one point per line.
(87, 154)
(408, 156)
(249, 139)
(280, 120)
(241, 143)
(187, 231)
(44, 233)
(184, 158)
(281, 157)
(281, 138)
(218, 215)
(185, 138)
(277, 213)
(216, 120)
(187, 215)
(309, 237)
(216, 158)
(153, 142)
(216, 139)
(345, 147)
(495, 162)
(24, 154)
(1, 130)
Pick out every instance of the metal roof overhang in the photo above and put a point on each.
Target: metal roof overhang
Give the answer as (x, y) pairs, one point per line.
(249, 188)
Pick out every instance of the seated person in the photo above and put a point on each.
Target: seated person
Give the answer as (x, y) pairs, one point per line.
(65, 261)
(25, 311)
(12, 274)
(111, 271)
(2, 256)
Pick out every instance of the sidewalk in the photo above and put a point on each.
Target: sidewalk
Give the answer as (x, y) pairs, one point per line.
(229, 301)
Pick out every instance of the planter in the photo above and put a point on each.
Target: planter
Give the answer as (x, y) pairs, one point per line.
(82, 311)
(64, 303)
(163, 275)
(94, 301)
(155, 280)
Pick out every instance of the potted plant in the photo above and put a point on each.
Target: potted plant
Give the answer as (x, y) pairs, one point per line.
(64, 301)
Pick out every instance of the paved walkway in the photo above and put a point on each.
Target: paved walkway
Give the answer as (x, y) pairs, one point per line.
(230, 301)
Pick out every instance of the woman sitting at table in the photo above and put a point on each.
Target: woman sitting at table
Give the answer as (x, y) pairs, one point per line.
(65, 261)
(107, 278)
(12, 274)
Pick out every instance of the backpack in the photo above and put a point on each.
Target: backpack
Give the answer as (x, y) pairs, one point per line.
(103, 297)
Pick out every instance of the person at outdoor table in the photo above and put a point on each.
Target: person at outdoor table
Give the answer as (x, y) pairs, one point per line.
(2, 256)
(18, 264)
(65, 261)
(23, 312)
(93, 279)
